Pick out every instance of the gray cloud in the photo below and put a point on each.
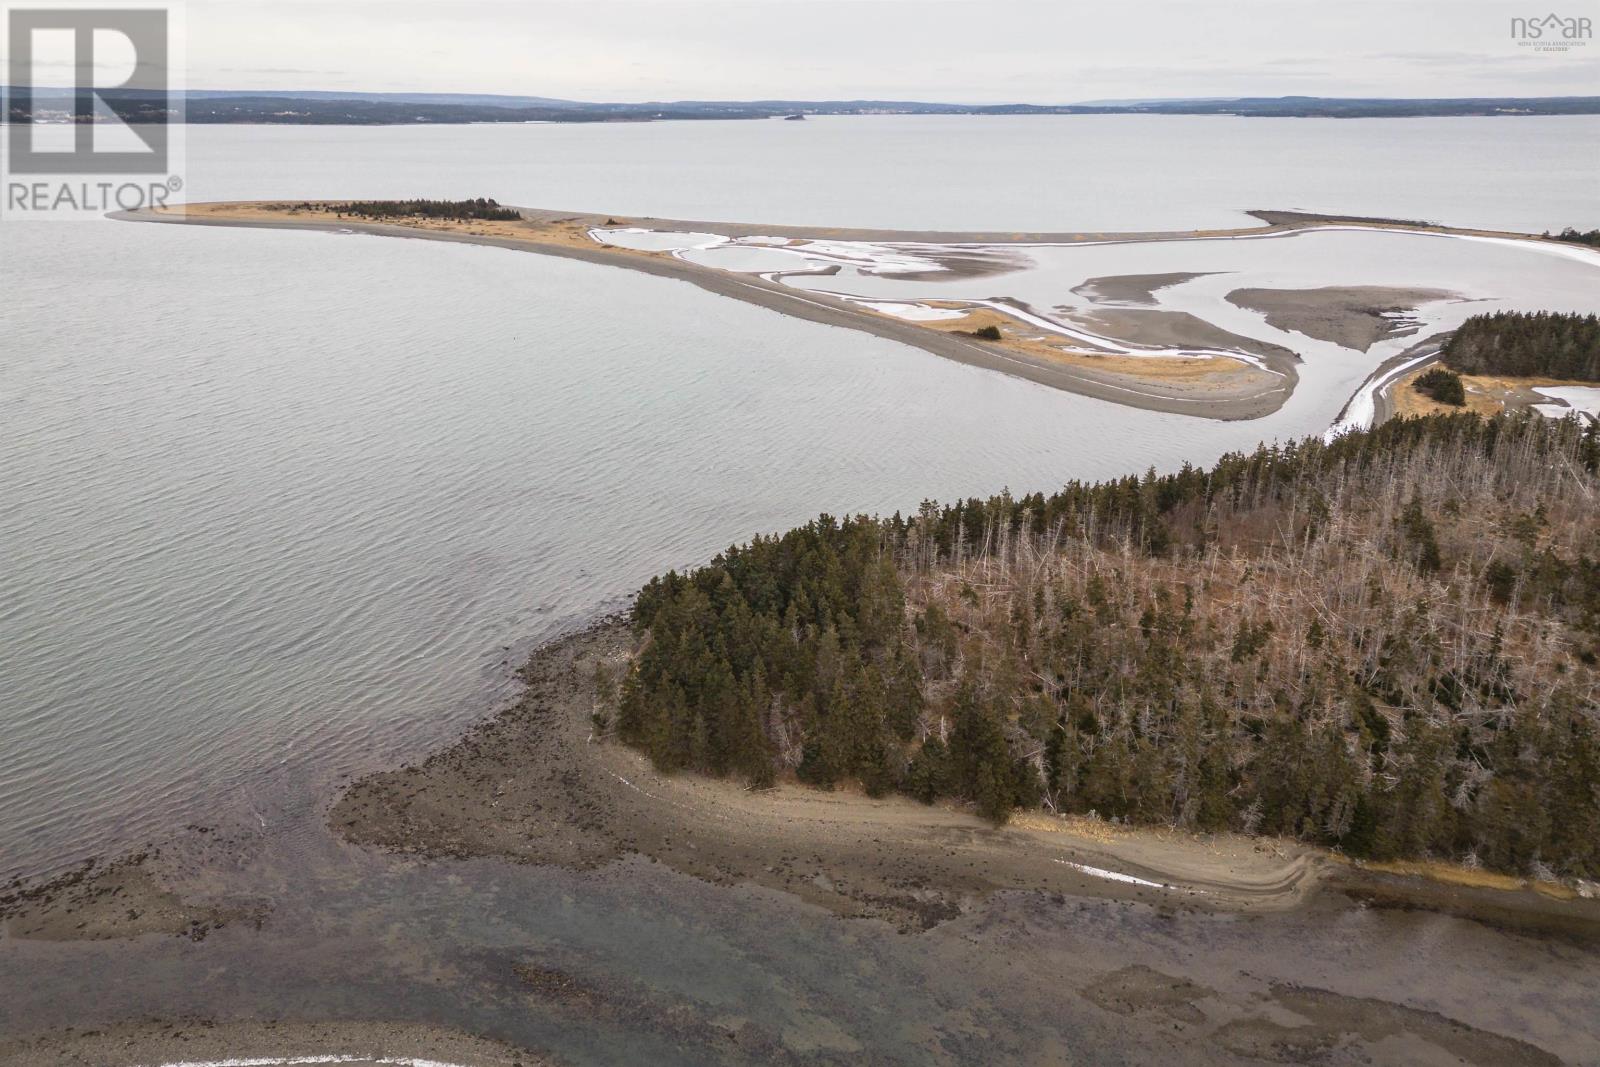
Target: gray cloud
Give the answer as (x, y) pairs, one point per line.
(996, 50)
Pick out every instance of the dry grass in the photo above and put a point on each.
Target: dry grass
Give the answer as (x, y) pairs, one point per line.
(1476, 878)
(1486, 394)
(573, 232)
(1220, 374)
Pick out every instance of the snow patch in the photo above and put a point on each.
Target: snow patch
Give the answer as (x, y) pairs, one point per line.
(1363, 407)
(1112, 876)
(1584, 398)
(642, 240)
(295, 1061)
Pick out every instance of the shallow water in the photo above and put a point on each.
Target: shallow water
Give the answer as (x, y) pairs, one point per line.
(283, 505)
(672, 971)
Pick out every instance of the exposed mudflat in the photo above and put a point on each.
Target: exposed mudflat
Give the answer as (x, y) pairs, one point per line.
(1162, 328)
(1357, 316)
(687, 921)
(537, 884)
(128, 897)
(535, 785)
(1299, 1024)
(565, 234)
(1131, 288)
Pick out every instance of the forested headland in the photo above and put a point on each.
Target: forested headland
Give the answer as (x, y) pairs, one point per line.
(1541, 344)
(1385, 644)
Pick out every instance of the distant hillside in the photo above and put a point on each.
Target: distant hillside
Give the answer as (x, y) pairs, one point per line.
(1333, 107)
(356, 108)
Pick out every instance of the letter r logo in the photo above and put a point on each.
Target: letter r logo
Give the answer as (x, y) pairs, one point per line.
(144, 93)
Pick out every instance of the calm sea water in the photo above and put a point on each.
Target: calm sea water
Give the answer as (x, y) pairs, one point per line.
(279, 507)
(1112, 172)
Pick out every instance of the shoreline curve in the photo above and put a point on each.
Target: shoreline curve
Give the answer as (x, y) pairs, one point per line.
(1247, 401)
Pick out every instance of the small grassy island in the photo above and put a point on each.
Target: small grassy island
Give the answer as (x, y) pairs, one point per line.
(1386, 644)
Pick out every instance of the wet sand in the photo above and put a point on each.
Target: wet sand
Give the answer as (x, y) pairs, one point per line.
(566, 235)
(1132, 288)
(1228, 396)
(1356, 317)
(128, 897)
(1175, 328)
(686, 921)
(536, 785)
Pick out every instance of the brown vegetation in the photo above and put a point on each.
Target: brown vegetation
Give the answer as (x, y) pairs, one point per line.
(1387, 644)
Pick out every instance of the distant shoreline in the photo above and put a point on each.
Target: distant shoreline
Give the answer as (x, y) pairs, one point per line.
(314, 108)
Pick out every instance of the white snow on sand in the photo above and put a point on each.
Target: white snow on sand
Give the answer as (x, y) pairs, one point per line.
(1111, 876)
(296, 1061)
(1584, 398)
(1363, 407)
(869, 258)
(641, 240)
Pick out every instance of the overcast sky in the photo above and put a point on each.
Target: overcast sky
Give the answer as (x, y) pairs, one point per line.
(1045, 51)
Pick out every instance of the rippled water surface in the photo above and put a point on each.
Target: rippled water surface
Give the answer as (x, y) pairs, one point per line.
(276, 503)
(1101, 172)
(277, 507)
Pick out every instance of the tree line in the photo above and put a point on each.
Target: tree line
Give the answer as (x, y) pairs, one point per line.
(1387, 643)
(480, 208)
(1522, 344)
(1577, 237)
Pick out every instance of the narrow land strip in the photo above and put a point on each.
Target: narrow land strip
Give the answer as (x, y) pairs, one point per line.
(1233, 390)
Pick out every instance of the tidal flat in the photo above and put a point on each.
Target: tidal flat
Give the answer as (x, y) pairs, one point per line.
(548, 892)
(1226, 324)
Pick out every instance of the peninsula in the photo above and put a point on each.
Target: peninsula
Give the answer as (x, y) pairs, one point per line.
(1118, 341)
